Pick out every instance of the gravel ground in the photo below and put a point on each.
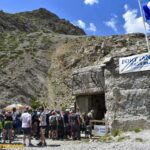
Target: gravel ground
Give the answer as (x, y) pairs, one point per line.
(131, 141)
(93, 146)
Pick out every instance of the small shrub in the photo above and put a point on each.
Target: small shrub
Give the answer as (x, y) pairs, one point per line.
(66, 40)
(106, 138)
(116, 132)
(63, 108)
(122, 138)
(35, 104)
(139, 139)
(137, 130)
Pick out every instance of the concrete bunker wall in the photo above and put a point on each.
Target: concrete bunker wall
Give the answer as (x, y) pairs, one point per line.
(88, 87)
(127, 98)
(88, 80)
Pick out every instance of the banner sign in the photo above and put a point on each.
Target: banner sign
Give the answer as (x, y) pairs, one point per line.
(134, 63)
(99, 130)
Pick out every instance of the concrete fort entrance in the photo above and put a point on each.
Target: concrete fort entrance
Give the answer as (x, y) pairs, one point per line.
(126, 96)
(94, 102)
(88, 87)
(97, 103)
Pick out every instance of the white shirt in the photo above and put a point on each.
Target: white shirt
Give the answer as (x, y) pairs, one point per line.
(26, 119)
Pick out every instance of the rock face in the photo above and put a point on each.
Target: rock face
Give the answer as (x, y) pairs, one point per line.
(23, 69)
(36, 20)
(27, 41)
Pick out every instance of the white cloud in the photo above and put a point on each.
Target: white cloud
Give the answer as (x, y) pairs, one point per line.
(81, 24)
(87, 27)
(92, 27)
(112, 23)
(133, 23)
(91, 2)
(126, 7)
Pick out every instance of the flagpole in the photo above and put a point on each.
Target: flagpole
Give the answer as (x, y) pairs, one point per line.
(146, 37)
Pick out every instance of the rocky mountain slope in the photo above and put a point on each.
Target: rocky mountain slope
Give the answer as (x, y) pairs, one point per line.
(36, 20)
(36, 62)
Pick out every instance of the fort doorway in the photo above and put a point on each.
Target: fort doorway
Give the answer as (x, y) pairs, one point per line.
(97, 103)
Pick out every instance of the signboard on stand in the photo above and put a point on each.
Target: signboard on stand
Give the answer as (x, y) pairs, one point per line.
(99, 130)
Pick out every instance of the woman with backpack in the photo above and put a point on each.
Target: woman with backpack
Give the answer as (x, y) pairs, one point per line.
(60, 126)
(42, 125)
(53, 122)
(8, 127)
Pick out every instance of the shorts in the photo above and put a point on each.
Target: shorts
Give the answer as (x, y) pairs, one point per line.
(8, 125)
(26, 131)
(49, 127)
(53, 127)
(43, 127)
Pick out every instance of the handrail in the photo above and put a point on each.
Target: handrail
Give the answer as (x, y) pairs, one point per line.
(99, 121)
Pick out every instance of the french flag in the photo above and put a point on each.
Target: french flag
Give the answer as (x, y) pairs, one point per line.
(146, 8)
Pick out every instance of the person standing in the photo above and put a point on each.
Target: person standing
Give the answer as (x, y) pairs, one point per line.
(8, 127)
(88, 130)
(14, 116)
(53, 121)
(26, 126)
(66, 123)
(60, 126)
(74, 120)
(42, 125)
(1, 123)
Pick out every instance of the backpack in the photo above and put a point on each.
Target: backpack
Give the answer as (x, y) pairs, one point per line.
(43, 119)
(34, 117)
(47, 118)
(66, 117)
(1, 121)
(53, 120)
(60, 120)
(74, 119)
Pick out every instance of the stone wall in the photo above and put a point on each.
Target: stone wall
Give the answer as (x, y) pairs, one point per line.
(127, 97)
(83, 103)
(88, 80)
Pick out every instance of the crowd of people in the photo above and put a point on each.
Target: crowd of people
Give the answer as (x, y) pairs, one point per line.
(42, 124)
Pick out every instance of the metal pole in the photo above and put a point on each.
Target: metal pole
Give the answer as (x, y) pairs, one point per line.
(143, 18)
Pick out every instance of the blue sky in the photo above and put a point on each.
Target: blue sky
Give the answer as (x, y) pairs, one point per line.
(96, 17)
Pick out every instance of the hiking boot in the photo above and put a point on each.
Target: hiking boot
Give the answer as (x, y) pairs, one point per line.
(30, 145)
(39, 144)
